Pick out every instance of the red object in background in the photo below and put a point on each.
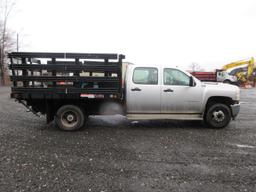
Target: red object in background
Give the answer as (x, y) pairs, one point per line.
(205, 76)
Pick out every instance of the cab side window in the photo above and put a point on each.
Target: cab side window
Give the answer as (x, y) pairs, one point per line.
(145, 75)
(175, 77)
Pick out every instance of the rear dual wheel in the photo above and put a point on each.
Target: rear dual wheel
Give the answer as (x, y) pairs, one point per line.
(70, 118)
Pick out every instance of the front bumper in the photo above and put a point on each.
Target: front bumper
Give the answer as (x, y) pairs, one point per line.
(235, 110)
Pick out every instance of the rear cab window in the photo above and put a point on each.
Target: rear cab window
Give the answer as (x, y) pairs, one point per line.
(145, 75)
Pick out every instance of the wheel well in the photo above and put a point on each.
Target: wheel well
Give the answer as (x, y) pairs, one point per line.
(217, 99)
(90, 107)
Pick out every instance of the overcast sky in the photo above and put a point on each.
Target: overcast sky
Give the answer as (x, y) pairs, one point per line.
(174, 32)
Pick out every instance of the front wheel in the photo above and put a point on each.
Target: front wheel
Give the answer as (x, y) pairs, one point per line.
(218, 116)
(69, 118)
(227, 81)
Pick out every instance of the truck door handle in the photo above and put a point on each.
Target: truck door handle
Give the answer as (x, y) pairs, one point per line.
(136, 89)
(168, 90)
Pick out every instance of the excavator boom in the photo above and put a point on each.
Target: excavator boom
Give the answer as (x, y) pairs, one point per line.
(250, 68)
(238, 63)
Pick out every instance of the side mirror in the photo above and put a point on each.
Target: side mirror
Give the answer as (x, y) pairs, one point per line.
(191, 81)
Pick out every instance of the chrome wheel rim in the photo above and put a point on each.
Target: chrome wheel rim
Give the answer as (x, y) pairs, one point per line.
(218, 116)
(69, 119)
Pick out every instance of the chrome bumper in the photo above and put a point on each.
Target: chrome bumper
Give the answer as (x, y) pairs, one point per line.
(235, 110)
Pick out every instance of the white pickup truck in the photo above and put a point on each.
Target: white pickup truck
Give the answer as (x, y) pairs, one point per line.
(105, 87)
(170, 93)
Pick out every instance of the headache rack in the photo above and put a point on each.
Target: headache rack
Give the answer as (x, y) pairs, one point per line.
(65, 75)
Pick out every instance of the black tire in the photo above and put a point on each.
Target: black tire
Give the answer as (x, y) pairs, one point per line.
(218, 116)
(69, 118)
(227, 81)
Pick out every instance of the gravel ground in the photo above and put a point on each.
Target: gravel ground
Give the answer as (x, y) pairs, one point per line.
(110, 155)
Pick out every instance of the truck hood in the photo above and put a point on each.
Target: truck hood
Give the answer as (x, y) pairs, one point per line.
(219, 85)
(223, 89)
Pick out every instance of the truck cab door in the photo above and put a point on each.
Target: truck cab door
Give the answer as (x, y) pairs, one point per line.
(177, 96)
(143, 90)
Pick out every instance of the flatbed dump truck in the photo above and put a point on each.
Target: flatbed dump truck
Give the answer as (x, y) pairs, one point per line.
(68, 87)
(215, 76)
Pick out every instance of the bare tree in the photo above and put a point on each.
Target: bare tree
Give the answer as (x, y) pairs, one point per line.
(6, 40)
(195, 67)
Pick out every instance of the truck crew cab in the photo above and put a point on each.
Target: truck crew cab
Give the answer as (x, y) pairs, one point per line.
(68, 87)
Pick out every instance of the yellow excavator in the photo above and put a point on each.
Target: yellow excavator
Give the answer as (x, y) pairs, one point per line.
(242, 76)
